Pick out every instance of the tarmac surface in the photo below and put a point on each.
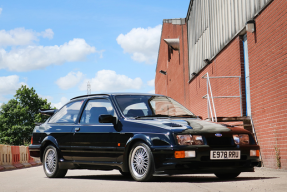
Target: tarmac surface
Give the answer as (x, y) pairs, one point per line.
(34, 179)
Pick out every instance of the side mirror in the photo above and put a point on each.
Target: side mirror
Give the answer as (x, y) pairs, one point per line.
(199, 117)
(106, 119)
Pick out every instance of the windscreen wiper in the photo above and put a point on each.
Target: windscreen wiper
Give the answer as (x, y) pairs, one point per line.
(185, 115)
(152, 116)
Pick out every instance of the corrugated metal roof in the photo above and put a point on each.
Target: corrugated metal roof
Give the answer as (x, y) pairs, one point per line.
(213, 24)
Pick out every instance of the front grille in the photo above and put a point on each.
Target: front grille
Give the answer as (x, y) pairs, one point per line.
(220, 141)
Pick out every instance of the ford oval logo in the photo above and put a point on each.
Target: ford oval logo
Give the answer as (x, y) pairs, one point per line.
(218, 135)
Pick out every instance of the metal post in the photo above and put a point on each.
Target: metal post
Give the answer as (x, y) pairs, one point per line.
(208, 100)
(208, 112)
(215, 118)
(241, 111)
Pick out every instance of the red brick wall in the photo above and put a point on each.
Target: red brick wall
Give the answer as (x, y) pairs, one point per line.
(267, 50)
(268, 81)
(174, 83)
(226, 63)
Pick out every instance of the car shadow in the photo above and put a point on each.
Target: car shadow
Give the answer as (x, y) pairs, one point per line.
(169, 179)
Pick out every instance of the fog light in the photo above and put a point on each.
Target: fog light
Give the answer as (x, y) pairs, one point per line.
(189, 154)
(184, 154)
(254, 153)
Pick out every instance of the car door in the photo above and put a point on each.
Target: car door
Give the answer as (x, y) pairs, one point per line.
(94, 142)
(62, 124)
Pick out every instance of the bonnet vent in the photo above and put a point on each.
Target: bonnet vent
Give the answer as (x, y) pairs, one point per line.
(172, 124)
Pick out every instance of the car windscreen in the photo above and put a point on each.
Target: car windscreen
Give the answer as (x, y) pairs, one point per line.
(147, 105)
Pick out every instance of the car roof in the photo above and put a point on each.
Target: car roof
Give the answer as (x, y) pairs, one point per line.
(114, 94)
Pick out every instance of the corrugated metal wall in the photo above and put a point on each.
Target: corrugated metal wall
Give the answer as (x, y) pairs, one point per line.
(212, 24)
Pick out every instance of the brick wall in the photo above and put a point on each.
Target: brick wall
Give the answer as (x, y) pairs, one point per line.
(267, 49)
(174, 83)
(226, 63)
(268, 81)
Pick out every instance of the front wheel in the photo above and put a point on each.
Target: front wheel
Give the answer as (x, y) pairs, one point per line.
(141, 162)
(50, 163)
(226, 175)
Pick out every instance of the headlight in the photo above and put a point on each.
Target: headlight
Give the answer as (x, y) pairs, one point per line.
(241, 139)
(189, 140)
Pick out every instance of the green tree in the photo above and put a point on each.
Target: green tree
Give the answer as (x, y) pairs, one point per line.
(19, 115)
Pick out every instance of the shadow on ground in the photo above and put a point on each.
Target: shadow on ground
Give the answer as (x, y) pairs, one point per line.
(169, 179)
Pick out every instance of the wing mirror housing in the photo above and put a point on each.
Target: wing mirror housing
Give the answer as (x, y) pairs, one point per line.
(106, 119)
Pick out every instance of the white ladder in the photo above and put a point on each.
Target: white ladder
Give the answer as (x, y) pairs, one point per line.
(210, 102)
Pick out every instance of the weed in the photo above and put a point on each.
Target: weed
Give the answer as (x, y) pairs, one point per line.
(278, 158)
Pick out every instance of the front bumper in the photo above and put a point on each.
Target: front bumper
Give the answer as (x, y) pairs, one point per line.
(165, 162)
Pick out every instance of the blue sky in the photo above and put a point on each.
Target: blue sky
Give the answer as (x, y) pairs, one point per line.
(58, 46)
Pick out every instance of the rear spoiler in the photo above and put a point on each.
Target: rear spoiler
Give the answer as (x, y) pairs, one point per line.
(48, 112)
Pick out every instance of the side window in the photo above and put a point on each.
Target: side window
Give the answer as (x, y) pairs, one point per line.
(94, 109)
(68, 114)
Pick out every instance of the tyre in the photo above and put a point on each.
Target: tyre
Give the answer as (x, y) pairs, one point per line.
(226, 175)
(125, 174)
(50, 163)
(141, 162)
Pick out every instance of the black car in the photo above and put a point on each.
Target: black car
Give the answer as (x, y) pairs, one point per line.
(140, 135)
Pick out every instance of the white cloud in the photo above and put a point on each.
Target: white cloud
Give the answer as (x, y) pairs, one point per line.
(3, 99)
(142, 43)
(1, 10)
(152, 91)
(39, 57)
(70, 80)
(108, 80)
(49, 98)
(48, 33)
(63, 101)
(151, 83)
(22, 36)
(9, 84)
(101, 52)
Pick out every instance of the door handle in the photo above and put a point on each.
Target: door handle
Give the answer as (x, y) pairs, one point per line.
(77, 129)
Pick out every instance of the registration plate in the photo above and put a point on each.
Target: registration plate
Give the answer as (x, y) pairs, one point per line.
(225, 154)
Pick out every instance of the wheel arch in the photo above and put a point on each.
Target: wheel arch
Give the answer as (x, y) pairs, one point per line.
(130, 143)
(49, 140)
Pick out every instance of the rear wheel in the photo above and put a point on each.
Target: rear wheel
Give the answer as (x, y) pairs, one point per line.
(50, 163)
(141, 162)
(227, 175)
